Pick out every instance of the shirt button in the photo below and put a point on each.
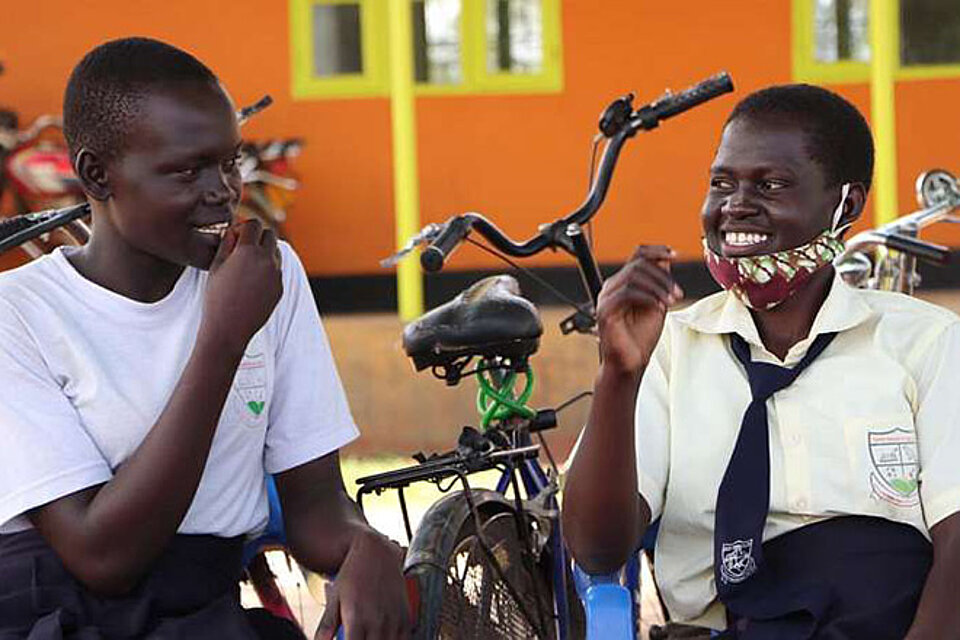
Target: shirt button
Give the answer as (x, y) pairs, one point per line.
(794, 439)
(800, 504)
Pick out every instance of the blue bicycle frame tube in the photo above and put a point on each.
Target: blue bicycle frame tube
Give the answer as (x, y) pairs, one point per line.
(534, 481)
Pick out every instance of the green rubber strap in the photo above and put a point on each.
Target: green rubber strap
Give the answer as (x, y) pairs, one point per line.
(496, 399)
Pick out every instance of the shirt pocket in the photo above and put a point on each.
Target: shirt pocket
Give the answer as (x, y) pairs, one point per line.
(885, 464)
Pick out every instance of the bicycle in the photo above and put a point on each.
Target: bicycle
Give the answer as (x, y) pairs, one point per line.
(485, 563)
(38, 172)
(886, 258)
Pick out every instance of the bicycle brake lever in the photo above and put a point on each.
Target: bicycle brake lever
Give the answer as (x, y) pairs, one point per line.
(580, 322)
(425, 236)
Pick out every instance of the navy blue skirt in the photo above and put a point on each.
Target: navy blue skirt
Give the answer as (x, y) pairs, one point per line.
(191, 593)
(847, 578)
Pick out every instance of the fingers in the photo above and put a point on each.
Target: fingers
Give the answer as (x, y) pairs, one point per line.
(360, 626)
(227, 243)
(330, 621)
(268, 240)
(644, 280)
(654, 253)
(250, 231)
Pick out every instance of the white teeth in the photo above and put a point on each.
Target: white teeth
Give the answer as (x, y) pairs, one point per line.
(217, 229)
(740, 239)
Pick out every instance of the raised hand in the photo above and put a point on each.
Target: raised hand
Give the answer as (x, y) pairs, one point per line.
(632, 306)
(245, 283)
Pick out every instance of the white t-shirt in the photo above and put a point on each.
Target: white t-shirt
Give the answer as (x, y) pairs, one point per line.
(871, 428)
(85, 373)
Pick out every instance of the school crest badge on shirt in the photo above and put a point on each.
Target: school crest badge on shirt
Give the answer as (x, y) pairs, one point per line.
(736, 561)
(896, 467)
(250, 384)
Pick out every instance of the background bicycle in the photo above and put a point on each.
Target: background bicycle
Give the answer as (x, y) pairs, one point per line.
(35, 173)
(269, 181)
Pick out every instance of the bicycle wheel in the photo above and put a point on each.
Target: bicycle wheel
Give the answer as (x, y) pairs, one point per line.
(469, 592)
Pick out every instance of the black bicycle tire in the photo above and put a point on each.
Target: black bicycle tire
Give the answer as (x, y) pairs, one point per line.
(445, 525)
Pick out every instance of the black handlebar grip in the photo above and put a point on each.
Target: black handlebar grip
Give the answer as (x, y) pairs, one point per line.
(19, 229)
(707, 90)
(924, 250)
(453, 233)
(12, 226)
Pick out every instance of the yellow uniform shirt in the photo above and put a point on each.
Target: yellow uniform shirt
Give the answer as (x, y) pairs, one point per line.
(870, 428)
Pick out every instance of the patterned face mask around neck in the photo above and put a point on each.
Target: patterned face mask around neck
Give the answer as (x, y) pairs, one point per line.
(765, 281)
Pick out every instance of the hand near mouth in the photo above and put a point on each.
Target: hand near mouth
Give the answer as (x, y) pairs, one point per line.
(244, 285)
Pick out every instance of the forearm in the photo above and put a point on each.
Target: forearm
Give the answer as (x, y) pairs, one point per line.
(109, 539)
(602, 479)
(320, 520)
(321, 537)
(937, 614)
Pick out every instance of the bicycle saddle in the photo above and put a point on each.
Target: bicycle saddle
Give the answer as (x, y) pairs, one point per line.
(489, 319)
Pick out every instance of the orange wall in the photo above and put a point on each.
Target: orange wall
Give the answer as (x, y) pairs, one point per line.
(521, 160)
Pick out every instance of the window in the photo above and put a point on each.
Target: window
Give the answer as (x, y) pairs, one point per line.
(514, 36)
(831, 39)
(338, 47)
(436, 42)
(929, 32)
(841, 30)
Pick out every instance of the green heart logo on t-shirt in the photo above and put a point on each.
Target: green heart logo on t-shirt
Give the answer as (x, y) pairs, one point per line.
(256, 407)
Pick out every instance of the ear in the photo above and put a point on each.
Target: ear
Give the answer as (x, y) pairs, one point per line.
(853, 204)
(92, 171)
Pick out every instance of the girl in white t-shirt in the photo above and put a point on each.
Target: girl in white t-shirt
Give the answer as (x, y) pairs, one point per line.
(153, 376)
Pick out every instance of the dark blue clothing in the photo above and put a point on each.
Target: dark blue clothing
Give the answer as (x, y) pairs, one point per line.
(191, 593)
(847, 578)
(743, 498)
(853, 577)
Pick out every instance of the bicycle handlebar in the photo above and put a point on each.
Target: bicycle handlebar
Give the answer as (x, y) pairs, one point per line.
(446, 241)
(922, 250)
(16, 230)
(245, 113)
(927, 251)
(617, 123)
(672, 104)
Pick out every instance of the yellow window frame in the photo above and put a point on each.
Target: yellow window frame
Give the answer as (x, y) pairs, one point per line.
(806, 68)
(374, 81)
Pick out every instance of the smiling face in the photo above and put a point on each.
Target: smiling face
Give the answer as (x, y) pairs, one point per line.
(766, 194)
(176, 182)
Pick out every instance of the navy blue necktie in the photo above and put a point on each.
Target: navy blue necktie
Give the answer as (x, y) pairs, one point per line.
(744, 495)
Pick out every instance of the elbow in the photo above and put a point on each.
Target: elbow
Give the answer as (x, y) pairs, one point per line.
(109, 583)
(597, 551)
(105, 576)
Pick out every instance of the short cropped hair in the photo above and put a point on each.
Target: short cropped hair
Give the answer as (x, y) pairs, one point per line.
(106, 90)
(839, 138)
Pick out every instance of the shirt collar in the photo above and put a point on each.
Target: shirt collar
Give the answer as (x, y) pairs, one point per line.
(843, 309)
